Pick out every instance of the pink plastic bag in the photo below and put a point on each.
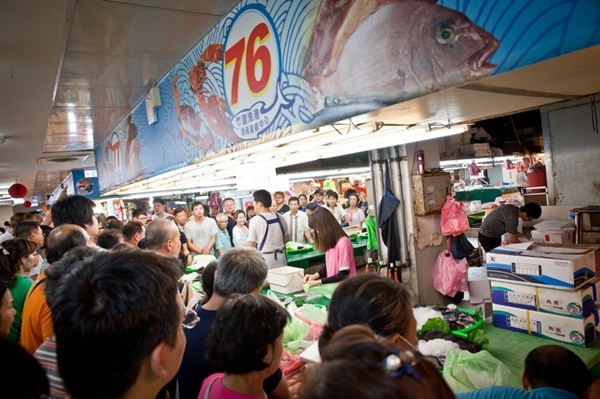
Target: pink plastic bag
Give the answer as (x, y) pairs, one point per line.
(449, 274)
(454, 218)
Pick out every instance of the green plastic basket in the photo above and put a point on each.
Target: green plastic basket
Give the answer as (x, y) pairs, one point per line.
(475, 217)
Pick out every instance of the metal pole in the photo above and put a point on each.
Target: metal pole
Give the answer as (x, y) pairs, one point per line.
(377, 180)
(396, 177)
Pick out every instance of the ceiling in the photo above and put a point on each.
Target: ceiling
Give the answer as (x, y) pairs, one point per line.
(70, 70)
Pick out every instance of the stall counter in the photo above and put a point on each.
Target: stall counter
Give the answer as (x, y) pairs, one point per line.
(512, 347)
(304, 259)
(484, 194)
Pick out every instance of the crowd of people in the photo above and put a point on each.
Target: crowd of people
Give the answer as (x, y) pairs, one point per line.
(117, 322)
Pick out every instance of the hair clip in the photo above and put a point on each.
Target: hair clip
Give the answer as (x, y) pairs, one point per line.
(5, 252)
(395, 366)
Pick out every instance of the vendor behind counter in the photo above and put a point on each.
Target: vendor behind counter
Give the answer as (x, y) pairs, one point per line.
(505, 219)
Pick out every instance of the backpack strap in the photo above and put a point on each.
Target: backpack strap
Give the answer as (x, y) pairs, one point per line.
(270, 221)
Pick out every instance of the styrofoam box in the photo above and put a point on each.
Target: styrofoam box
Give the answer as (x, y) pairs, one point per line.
(558, 267)
(578, 304)
(550, 225)
(285, 279)
(578, 332)
(554, 237)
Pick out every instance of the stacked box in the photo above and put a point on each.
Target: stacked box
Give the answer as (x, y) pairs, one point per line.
(566, 236)
(546, 291)
(554, 232)
(578, 304)
(580, 332)
(562, 268)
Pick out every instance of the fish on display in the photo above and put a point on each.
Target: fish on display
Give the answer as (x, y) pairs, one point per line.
(387, 51)
(456, 319)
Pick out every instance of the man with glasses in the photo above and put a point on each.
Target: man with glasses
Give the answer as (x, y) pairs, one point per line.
(505, 219)
(239, 271)
(280, 206)
(130, 342)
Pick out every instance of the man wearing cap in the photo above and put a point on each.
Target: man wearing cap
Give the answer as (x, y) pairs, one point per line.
(318, 199)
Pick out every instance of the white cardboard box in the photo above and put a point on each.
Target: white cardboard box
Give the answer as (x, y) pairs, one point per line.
(551, 225)
(578, 304)
(479, 286)
(566, 236)
(578, 332)
(538, 265)
(285, 279)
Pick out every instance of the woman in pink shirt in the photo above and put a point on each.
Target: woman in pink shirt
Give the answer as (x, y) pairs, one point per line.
(339, 253)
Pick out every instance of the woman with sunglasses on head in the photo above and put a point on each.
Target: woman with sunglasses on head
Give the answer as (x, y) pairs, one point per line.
(17, 258)
(385, 308)
(360, 364)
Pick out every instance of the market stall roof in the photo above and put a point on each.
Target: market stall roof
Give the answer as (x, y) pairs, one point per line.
(423, 118)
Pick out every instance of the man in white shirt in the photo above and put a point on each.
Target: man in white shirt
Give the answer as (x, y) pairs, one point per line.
(268, 232)
(160, 207)
(336, 209)
(201, 231)
(297, 222)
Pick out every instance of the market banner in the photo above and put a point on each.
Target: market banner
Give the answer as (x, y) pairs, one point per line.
(86, 183)
(272, 68)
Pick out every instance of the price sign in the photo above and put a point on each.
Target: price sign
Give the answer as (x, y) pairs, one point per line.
(252, 66)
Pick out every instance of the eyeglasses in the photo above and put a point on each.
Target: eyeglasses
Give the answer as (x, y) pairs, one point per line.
(190, 314)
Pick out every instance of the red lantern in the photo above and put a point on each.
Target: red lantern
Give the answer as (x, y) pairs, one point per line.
(17, 190)
(27, 204)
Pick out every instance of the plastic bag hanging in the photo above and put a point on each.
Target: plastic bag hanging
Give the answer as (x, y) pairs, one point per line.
(454, 218)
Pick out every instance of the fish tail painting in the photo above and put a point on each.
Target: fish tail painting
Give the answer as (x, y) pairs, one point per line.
(191, 130)
(387, 51)
(214, 108)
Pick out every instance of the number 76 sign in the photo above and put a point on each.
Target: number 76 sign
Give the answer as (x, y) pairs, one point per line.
(251, 71)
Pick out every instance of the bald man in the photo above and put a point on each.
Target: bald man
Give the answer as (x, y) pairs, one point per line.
(162, 237)
(36, 324)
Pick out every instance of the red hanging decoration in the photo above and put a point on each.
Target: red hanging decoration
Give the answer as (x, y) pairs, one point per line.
(27, 204)
(17, 190)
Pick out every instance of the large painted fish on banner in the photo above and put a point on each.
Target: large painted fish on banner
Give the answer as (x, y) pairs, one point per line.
(387, 51)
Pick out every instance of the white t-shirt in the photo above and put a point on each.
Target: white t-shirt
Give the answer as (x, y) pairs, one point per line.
(338, 213)
(356, 218)
(274, 240)
(258, 229)
(200, 233)
(297, 225)
(240, 236)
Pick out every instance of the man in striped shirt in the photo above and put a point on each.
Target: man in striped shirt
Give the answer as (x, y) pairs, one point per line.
(505, 219)
(297, 222)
